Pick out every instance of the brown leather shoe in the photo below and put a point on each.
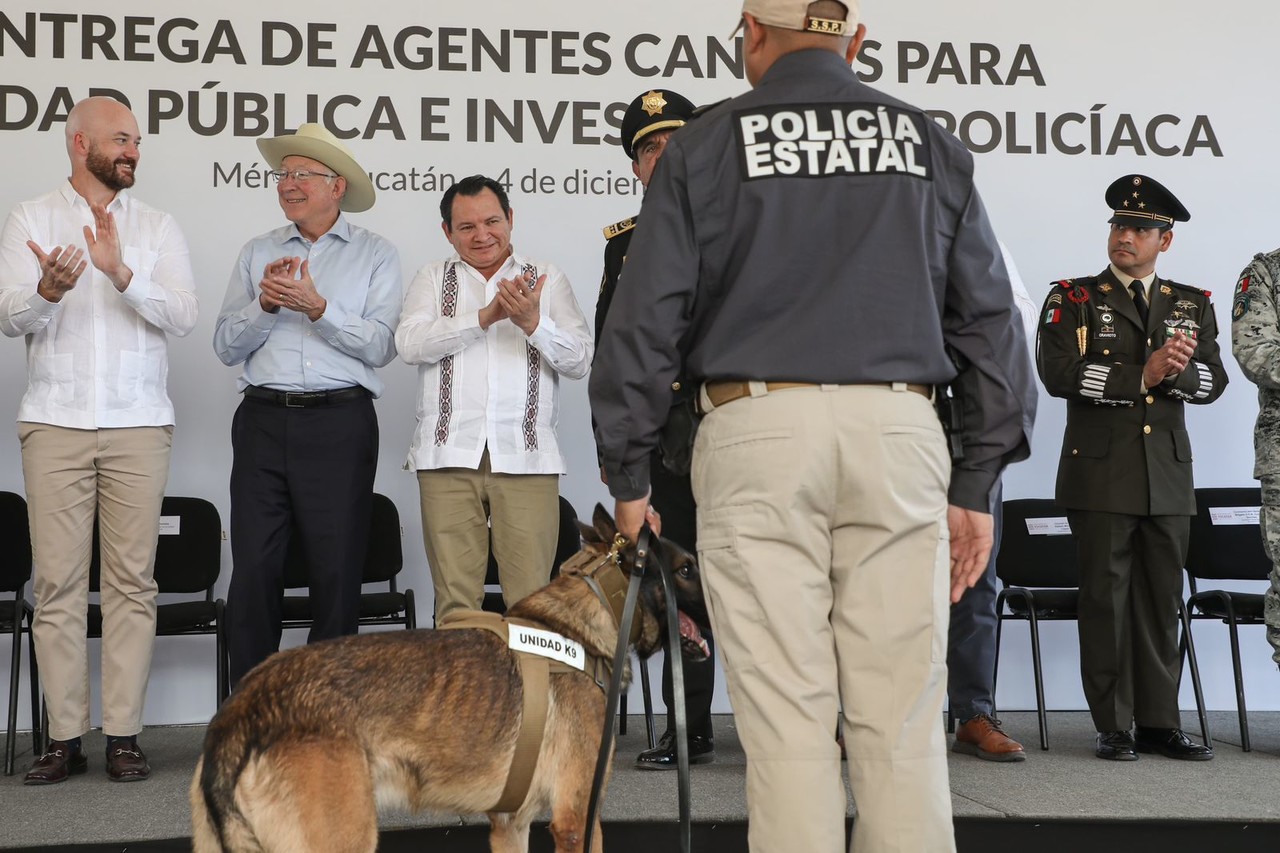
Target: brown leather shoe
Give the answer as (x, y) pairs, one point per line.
(127, 763)
(982, 737)
(57, 763)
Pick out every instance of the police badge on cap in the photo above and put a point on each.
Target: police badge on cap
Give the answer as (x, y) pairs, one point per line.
(657, 109)
(1141, 202)
(794, 15)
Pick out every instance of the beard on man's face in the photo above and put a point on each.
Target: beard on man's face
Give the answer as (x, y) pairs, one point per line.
(108, 172)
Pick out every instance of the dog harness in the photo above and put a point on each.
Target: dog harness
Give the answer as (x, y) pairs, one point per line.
(535, 672)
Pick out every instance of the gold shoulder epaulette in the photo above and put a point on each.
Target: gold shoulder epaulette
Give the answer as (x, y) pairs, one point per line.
(1179, 284)
(611, 231)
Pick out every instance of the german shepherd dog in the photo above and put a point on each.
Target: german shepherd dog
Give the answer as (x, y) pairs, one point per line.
(314, 739)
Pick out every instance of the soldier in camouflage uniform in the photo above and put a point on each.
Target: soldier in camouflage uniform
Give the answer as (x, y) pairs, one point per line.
(1255, 342)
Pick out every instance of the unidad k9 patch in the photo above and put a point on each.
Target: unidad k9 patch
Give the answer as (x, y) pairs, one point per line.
(821, 140)
(548, 644)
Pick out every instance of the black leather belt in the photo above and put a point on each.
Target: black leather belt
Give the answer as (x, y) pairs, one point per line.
(305, 399)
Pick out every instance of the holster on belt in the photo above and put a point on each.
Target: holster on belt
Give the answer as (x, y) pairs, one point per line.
(951, 413)
(675, 441)
(950, 408)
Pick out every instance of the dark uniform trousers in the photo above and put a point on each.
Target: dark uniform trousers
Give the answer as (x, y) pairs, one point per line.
(673, 499)
(1125, 480)
(312, 468)
(1130, 583)
(971, 638)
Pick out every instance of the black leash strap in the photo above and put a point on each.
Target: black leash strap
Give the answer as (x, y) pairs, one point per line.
(615, 693)
(677, 697)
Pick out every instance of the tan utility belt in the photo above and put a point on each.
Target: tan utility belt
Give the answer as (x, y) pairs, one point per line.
(726, 391)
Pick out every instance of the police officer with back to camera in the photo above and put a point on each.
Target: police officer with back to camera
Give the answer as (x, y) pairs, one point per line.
(1127, 349)
(806, 253)
(647, 125)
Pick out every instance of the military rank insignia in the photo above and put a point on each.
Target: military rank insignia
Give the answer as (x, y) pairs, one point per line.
(1240, 306)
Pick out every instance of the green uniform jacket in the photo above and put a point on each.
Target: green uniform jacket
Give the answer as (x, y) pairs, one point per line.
(1125, 451)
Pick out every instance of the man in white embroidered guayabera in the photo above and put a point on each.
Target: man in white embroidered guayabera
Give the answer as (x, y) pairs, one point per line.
(492, 331)
(1127, 349)
(95, 280)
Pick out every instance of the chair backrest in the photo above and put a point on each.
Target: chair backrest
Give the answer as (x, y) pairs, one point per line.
(188, 549)
(568, 543)
(383, 560)
(15, 561)
(1033, 550)
(1226, 540)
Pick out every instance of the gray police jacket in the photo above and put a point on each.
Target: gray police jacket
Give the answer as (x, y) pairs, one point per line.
(814, 230)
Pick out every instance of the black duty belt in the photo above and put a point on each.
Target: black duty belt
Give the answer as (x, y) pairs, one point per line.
(722, 392)
(305, 399)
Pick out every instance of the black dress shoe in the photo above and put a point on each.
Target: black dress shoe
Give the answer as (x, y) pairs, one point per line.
(702, 750)
(126, 762)
(57, 763)
(1116, 746)
(1171, 743)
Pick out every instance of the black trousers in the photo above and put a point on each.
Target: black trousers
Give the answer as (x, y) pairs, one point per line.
(673, 498)
(312, 468)
(1130, 584)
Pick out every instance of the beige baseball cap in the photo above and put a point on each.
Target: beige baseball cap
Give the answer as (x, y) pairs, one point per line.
(794, 15)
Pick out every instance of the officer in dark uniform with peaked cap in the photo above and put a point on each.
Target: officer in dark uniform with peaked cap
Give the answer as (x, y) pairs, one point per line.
(1127, 350)
(649, 121)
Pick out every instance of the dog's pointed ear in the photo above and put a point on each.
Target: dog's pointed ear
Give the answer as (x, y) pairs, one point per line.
(604, 523)
(590, 536)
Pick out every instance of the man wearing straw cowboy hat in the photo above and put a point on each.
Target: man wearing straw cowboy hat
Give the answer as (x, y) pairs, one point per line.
(311, 310)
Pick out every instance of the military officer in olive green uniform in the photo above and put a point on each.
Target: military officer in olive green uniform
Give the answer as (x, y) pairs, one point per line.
(1255, 342)
(1127, 349)
(649, 121)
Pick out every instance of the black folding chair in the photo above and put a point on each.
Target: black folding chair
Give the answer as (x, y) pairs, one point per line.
(1226, 545)
(1037, 565)
(188, 561)
(383, 561)
(16, 615)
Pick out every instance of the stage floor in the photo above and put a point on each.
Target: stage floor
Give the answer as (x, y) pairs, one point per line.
(1235, 797)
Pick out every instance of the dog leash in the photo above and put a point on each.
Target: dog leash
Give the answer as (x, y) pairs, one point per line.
(615, 692)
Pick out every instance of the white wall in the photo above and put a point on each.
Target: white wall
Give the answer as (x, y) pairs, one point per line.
(1097, 59)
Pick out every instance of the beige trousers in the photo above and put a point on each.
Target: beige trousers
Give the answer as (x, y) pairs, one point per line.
(825, 555)
(458, 506)
(119, 476)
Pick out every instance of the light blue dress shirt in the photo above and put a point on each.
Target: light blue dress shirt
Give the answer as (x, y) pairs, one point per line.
(356, 271)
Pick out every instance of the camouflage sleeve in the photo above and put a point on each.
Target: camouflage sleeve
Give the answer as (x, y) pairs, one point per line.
(1063, 368)
(1204, 378)
(1255, 331)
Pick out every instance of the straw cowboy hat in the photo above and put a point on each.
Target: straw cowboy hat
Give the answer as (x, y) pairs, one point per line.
(315, 142)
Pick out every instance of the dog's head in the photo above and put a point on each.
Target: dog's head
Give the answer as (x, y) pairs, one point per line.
(599, 539)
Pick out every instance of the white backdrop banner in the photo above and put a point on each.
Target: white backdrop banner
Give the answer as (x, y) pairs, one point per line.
(1056, 100)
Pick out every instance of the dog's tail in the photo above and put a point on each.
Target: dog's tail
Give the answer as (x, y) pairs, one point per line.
(216, 822)
(205, 835)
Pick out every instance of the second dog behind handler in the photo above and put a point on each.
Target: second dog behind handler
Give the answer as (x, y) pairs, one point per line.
(815, 297)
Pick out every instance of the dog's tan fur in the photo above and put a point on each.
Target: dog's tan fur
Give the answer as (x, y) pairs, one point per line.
(314, 739)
